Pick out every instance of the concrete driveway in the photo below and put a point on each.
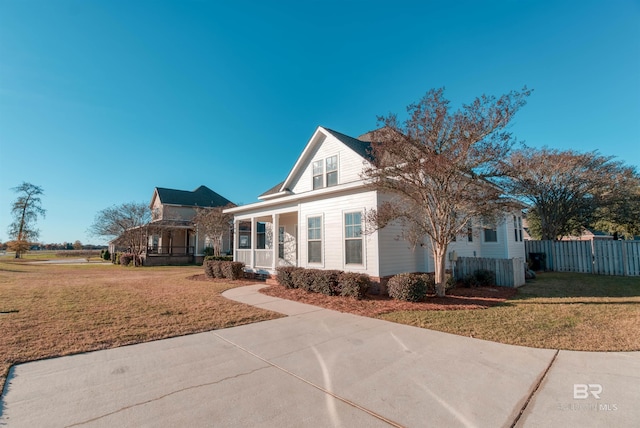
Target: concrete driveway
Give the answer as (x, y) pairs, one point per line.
(321, 368)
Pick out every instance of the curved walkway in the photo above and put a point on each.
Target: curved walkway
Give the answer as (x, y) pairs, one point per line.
(318, 367)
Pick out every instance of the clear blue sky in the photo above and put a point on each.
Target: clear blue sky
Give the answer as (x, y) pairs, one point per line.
(101, 101)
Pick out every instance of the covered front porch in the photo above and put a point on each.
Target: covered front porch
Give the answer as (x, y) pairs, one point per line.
(264, 242)
(170, 242)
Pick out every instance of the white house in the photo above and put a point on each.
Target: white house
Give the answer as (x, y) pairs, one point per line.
(315, 219)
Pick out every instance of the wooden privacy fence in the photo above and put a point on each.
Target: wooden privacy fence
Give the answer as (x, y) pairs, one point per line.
(509, 272)
(606, 257)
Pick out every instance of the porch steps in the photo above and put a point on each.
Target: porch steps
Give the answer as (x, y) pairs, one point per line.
(271, 281)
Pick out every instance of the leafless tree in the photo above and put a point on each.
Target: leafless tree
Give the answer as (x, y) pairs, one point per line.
(213, 223)
(127, 224)
(566, 188)
(435, 167)
(25, 211)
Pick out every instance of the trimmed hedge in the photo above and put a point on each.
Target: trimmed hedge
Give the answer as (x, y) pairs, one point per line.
(303, 278)
(480, 278)
(409, 287)
(220, 258)
(328, 282)
(325, 282)
(232, 270)
(352, 284)
(223, 269)
(284, 276)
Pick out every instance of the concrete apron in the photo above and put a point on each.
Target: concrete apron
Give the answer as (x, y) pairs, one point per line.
(319, 367)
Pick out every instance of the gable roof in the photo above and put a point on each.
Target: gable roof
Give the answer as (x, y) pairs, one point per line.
(361, 148)
(200, 197)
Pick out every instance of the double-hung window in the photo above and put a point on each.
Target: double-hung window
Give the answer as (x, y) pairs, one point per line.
(517, 228)
(325, 172)
(490, 233)
(353, 238)
(314, 239)
(332, 171)
(318, 174)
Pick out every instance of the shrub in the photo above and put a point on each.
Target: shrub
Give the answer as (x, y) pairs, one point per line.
(231, 270)
(325, 281)
(106, 255)
(479, 278)
(216, 268)
(429, 282)
(353, 284)
(126, 259)
(208, 269)
(485, 277)
(284, 274)
(469, 280)
(208, 252)
(116, 258)
(219, 258)
(408, 287)
(303, 278)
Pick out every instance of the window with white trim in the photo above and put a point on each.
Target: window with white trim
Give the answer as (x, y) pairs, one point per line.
(517, 228)
(490, 234)
(314, 239)
(332, 171)
(318, 174)
(353, 238)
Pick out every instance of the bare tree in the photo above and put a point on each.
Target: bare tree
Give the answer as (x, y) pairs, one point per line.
(25, 211)
(213, 223)
(566, 188)
(435, 167)
(127, 224)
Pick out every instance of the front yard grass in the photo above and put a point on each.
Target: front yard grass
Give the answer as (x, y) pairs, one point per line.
(54, 310)
(569, 311)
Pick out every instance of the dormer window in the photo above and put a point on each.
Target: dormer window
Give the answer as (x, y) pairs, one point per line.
(325, 177)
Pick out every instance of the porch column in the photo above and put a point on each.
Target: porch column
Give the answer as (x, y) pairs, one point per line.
(275, 221)
(254, 238)
(236, 239)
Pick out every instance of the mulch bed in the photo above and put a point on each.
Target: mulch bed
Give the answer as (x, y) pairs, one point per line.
(372, 305)
(458, 298)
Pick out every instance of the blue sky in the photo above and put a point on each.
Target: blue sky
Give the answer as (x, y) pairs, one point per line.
(101, 101)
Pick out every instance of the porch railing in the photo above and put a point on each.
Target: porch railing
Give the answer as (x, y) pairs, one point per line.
(169, 251)
(264, 258)
(244, 256)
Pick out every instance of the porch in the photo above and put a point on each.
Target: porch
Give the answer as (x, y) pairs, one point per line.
(265, 242)
(170, 242)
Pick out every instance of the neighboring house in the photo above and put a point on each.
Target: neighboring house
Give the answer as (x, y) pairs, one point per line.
(172, 236)
(590, 235)
(315, 219)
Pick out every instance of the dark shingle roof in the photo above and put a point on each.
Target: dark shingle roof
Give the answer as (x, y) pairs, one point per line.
(363, 148)
(275, 189)
(201, 197)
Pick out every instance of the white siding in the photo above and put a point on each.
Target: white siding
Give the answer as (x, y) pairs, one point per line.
(496, 250)
(332, 211)
(398, 255)
(515, 248)
(350, 164)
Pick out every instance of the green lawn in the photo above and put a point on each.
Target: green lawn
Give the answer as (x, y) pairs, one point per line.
(557, 310)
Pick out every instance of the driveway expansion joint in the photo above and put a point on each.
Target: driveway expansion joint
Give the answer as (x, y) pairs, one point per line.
(535, 389)
(188, 388)
(318, 387)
